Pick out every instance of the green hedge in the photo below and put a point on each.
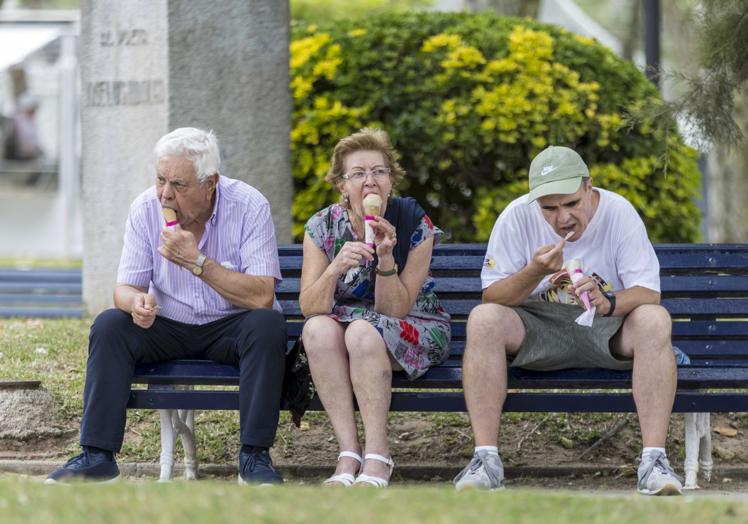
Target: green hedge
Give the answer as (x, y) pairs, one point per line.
(468, 100)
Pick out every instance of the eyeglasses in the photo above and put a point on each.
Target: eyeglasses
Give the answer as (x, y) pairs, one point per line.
(359, 174)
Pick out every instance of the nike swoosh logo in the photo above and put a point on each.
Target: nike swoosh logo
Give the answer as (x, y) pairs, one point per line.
(547, 169)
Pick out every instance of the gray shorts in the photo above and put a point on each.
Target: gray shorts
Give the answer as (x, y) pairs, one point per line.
(554, 341)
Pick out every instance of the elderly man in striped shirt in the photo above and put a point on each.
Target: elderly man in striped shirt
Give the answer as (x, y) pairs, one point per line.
(203, 288)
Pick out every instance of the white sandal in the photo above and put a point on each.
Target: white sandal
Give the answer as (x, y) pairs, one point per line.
(377, 482)
(346, 479)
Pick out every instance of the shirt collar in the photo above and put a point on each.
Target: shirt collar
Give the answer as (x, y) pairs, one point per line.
(214, 215)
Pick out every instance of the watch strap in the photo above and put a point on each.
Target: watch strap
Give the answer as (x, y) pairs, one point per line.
(612, 299)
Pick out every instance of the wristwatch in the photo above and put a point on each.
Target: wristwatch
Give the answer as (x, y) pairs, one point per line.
(197, 269)
(612, 299)
(389, 273)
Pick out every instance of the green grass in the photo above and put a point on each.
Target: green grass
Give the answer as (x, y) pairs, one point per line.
(52, 351)
(26, 501)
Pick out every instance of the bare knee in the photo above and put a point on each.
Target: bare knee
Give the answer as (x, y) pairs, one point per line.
(491, 325)
(320, 334)
(363, 341)
(653, 327)
(651, 320)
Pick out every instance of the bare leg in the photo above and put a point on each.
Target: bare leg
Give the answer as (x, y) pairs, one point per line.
(645, 336)
(493, 332)
(371, 374)
(328, 361)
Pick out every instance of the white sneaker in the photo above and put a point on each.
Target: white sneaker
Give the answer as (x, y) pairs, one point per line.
(485, 471)
(656, 477)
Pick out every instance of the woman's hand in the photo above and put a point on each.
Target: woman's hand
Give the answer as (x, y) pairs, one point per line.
(350, 256)
(385, 236)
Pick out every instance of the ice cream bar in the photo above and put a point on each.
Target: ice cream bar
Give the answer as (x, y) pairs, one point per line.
(574, 268)
(170, 217)
(372, 207)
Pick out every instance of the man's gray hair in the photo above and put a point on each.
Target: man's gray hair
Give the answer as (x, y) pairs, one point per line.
(195, 144)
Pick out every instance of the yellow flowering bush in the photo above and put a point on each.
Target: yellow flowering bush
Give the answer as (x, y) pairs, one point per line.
(468, 100)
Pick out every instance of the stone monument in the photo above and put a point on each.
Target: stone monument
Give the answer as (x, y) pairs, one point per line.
(149, 66)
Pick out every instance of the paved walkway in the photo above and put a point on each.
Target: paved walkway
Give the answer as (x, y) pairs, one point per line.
(729, 481)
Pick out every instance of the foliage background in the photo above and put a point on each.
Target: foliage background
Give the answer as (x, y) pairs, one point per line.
(468, 100)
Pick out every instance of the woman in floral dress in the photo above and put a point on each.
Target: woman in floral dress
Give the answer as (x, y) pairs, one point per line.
(369, 310)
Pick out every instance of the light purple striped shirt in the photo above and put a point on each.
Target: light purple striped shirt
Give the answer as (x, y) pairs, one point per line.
(239, 235)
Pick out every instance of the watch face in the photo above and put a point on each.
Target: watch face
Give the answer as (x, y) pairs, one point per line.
(197, 270)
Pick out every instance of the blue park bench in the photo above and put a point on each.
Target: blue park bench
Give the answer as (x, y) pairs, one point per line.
(40, 293)
(705, 288)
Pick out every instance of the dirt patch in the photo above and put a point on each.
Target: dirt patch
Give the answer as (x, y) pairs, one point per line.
(553, 439)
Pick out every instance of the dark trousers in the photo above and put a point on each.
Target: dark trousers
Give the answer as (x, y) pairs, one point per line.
(253, 340)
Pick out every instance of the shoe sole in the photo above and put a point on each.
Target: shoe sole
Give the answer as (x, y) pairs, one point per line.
(472, 487)
(243, 482)
(668, 490)
(50, 482)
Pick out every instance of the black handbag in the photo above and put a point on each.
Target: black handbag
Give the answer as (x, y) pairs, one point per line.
(298, 388)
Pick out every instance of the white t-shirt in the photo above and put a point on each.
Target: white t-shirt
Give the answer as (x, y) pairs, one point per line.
(614, 248)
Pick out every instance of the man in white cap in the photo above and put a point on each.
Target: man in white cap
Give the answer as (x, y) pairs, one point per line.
(530, 305)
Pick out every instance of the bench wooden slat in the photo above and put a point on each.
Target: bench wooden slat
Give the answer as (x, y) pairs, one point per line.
(40, 275)
(692, 308)
(682, 330)
(20, 299)
(41, 312)
(66, 288)
(685, 401)
(713, 350)
(212, 373)
(672, 286)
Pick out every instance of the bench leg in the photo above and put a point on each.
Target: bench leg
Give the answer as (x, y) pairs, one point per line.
(705, 449)
(168, 439)
(698, 448)
(187, 431)
(176, 423)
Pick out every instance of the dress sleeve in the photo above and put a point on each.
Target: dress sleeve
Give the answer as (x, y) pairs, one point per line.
(322, 228)
(315, 228)
(425, 229)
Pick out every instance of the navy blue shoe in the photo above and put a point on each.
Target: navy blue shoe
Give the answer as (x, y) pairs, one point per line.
(256, 467)
(92, 465)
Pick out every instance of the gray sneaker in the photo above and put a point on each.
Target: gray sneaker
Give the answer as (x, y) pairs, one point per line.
(485, 471)
(656, 477)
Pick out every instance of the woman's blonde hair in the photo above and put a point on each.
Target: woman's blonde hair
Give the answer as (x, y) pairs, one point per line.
(368, 139)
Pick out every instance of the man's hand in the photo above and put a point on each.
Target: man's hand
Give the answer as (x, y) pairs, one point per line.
(597, 299)
(179, 246)
(548, 259)
(143, 310)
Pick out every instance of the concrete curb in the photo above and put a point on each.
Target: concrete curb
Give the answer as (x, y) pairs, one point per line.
(423, 472)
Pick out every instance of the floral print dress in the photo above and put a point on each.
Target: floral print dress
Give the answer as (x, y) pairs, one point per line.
(418, 341)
